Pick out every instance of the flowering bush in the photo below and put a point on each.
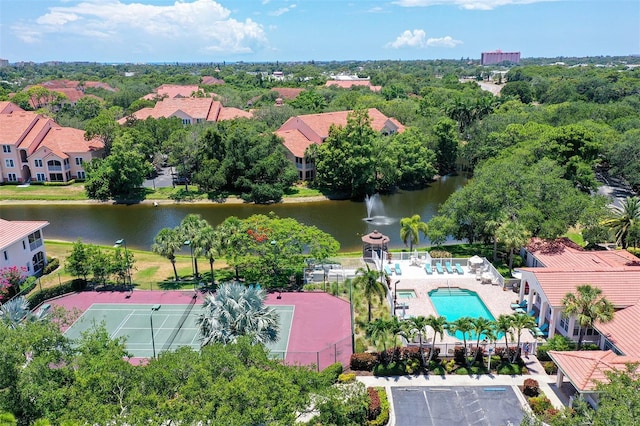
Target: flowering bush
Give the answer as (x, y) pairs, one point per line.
(10, 279)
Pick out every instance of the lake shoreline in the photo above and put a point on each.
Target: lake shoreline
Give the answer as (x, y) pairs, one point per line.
(232, 200)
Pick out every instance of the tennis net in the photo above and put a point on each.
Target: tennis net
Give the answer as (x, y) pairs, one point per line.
(178, 327)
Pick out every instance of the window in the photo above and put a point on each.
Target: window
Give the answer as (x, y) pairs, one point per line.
(56, 177)
(8, 162)
(37, 162)
(35, 240)
(24, 245)
(564, 323)
(12, 177)
(38, 261)
(54, 166)
(186, 121)
(79, 161)
(6, 256)
(6, 148)
(585, 332)
(41, 177)
(82, 175)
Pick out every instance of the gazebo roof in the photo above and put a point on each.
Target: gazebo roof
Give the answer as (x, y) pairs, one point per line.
(375, 238)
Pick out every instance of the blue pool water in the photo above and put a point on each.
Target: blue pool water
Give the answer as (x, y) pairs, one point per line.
(456, 303)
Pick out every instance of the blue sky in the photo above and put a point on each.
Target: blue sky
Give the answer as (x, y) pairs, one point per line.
(304, 30)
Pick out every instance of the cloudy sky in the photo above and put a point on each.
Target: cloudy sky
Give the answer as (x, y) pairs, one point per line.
(303, 30)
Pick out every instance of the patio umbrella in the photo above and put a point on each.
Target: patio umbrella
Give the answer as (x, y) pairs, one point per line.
(475, 261)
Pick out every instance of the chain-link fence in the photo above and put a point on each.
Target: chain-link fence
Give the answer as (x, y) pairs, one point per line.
(338, 352)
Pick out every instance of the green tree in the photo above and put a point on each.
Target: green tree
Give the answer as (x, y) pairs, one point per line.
(378, 332)
(623, 218)
(417, 326)
(208, 241)
(369, 280)
(189, 230)
(78, 262)
(589, 306)
(104, 127)
(465, 326)
(416, 163)
(439, 326)
(236, 310)
(446, 145)
(504, 325)
(513, 235)
(410, 229)
(481, 326)
(166, 243)
(521, 322)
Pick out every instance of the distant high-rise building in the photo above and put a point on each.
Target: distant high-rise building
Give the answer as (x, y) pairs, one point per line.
(495, 57)
(4, 62)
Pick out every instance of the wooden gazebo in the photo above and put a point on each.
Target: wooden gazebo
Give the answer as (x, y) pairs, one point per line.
(374, 242)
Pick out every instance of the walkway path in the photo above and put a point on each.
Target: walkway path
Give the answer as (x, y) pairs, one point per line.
(546, 382)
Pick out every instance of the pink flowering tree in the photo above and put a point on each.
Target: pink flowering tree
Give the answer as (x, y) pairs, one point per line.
(10, 280)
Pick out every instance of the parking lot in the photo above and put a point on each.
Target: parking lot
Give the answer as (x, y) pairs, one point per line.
(456, 405)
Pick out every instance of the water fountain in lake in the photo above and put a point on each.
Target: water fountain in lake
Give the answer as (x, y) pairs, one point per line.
(375, 211)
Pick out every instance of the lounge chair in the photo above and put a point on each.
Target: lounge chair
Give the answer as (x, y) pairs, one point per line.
(541, 331)
(531, 313)
(520, 311)
(387, 270)
(439, 268)
(427, 267)
(521, 305)
(447, 266)
(459, 269)
(398, 270)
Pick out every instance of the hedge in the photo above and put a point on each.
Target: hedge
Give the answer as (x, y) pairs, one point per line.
(391, 369)
(383, 418)
(364, 361)
(40, 296)
(332, 372)
(51, 266)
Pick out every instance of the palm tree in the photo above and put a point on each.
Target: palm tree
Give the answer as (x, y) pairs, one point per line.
(416, 326)
(372, 287)
(230, 241)
(438, 325)
(236, 310)
(589, 306)
(521, 322)
(481, 326)
(463, 325)
(207, 240)
(16, 311)
(410, 229)
(513, 235)
(378, 332)
(190, 228)
(504, 325)
(623, 218)
(396, 329)
(166, 243)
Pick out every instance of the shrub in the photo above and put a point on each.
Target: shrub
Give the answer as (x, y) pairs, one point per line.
(364, 361)
(540, 404)
(410, 353)
(556, 343)
(550, 367)
(382, 418)
(332, 372)
(37, 297)
(450, 366)
(440, 254)
(52, 265)
(509, 369)
(347, 378)
(375, 406)
(531, 387)
(436, 367)
(436, 352)
(474, 369)
(412, 365)
(589, 347)
(459, 355)
(391, 369)
(361, 345)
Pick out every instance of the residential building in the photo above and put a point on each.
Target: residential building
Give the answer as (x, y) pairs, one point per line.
(34, 147)
(348, 83)
(190, 111)
(556, 268)
(22, 245)
(175, 91)
(497, 56)
(299, 132)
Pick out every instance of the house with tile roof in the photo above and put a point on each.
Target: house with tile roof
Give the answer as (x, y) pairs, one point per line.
(174, 91)
(22, 245)
(350, 83)
(35, 147)
(189, 110)
(300, 132)
(556, 268)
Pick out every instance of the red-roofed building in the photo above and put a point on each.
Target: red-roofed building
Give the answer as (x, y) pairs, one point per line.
(175, 91)
(585, 369)
(559, 267)
(211, 81)
(348, 84)
(22, 245)
(35, 147)
(299, 132)
(190, 111)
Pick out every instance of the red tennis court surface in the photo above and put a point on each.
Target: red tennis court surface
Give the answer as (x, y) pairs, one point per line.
(320, 330)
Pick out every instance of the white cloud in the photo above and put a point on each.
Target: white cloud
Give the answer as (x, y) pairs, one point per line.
(376, 9)
(282, 10)
(197, 25)
(446, 41)
(466, 4)
(418, 39)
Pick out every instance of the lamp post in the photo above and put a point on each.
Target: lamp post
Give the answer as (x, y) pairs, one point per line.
(395, 296)
(122, 242)
(153, 340)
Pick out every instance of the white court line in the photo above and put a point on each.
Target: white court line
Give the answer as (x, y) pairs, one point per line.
(122, 323)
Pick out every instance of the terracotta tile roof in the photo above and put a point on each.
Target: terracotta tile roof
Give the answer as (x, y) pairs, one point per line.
(294, 141)
(14, 127)
(209, 80)
(7, 107)
(347, 84)
(206, 109)
(287, 92)
(622, 331)
(66, 140)
(229, 113)
(564, 256)
(622, 288)
(586, 368)
(173, 91)
(15, 230)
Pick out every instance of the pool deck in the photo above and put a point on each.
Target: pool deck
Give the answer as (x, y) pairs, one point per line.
(415, 278)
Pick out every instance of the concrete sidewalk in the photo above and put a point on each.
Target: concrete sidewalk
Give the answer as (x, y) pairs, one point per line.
(535, 369)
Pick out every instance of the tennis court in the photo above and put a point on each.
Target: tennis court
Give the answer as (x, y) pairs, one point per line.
(174, 325)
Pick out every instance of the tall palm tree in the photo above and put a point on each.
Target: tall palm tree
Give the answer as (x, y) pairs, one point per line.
(513, 235)
(166, 243)
(481, 326)
(521, 322)
(207, 240)
(438, 325)
(504, 325)
(230, 240)
(623, 218)
(396, 329)
(410, 229)
(378, 332)
(235, 310)
(417, 326)
(463, 325)
(368, 279)
(190, 228)
(589, 306)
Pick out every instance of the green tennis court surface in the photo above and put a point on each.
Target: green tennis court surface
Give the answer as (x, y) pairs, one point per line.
(173, 326)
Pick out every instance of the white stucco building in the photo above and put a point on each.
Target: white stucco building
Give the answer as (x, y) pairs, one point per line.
(22, 245)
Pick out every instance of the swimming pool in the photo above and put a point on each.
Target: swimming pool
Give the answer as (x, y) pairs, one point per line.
(406, 294)
(454, 303)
